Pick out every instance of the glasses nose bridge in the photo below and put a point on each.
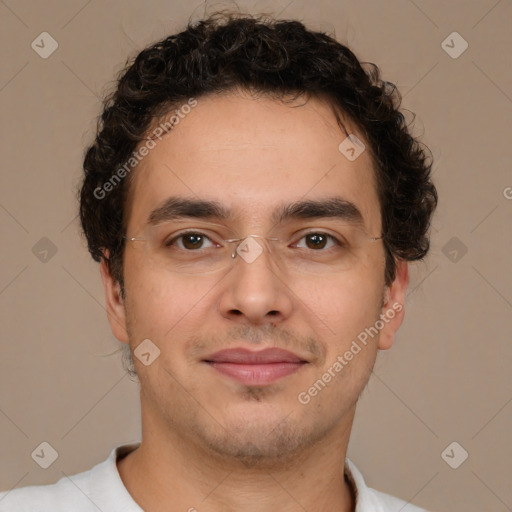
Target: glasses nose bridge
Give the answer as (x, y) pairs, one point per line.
(250, 247)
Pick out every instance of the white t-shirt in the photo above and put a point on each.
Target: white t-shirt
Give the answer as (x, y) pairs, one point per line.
(101, 489)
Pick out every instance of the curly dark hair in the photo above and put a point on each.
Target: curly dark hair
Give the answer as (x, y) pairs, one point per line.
(228, 51)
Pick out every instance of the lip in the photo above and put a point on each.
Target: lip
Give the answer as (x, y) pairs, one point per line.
(256, 368)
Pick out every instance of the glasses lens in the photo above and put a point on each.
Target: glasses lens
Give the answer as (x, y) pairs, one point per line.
(322, 251)
(181, 248)
(208, 248)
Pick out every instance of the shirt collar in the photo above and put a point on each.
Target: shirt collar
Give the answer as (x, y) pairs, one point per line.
(106, 481)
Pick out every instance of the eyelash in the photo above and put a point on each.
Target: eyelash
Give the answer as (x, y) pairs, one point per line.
(171, 242)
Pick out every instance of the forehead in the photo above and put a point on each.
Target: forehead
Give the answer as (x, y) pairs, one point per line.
(253, 153)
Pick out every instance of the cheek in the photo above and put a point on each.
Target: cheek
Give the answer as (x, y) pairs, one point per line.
(160, 304)
(341, 307)
(349, 308)
(347, 293)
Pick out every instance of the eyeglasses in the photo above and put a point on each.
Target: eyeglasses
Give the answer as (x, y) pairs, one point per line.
(208, 247)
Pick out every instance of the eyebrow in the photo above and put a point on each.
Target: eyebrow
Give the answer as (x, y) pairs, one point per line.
(181, 207)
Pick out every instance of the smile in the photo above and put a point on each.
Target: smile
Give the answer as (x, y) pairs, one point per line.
(255, 368)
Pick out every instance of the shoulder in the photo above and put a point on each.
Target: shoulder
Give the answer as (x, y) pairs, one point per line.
(371, 500)
(69, 493)
(388, 503)
(99, 488)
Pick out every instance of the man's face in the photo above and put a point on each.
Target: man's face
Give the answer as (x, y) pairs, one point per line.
(251, 156)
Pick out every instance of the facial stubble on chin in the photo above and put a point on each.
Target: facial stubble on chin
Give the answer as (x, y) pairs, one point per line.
(280, 446)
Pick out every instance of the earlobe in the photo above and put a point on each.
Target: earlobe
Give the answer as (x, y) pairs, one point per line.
(393, 309)
(114, 302)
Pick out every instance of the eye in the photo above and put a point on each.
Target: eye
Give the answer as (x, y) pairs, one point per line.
(190, 241)
(318, 241)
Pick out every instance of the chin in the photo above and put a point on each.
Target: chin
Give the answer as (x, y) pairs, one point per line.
(260, 440)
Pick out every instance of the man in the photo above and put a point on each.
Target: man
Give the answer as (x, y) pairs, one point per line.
(253, 197)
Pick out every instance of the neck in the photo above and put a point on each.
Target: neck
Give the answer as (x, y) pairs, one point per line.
(173, 473)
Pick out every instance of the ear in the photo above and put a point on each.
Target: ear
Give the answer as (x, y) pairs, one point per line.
(113, 301)
(393, 310)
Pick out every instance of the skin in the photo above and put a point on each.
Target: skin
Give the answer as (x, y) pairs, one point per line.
(208, 441)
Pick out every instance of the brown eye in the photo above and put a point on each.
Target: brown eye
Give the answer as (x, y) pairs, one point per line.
(316, 241)
(192, 241)
(189, 241)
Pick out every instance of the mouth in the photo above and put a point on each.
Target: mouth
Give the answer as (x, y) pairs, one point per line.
(255, 368)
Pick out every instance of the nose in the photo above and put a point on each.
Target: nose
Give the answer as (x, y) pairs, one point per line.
(254, 291)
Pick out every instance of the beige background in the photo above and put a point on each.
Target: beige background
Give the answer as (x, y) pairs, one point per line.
(447, 377)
